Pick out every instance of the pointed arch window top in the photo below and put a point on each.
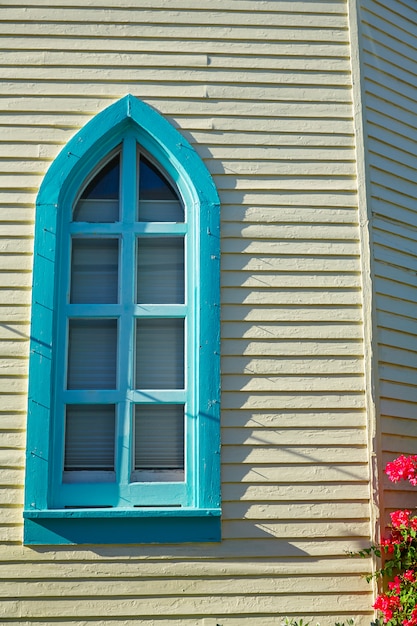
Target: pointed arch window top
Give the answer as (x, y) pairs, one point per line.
(156, 136)
(155, 196)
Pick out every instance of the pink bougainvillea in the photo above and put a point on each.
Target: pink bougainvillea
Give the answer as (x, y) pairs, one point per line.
(400, 518)
(397, 605)
(403, 468)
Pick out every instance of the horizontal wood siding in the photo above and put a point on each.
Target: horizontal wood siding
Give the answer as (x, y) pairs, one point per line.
(263, 92)
(390, 70)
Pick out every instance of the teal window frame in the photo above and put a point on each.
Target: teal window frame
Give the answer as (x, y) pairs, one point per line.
(155, 519)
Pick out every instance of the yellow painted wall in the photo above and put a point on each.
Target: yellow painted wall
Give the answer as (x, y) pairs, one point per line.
(263, 90)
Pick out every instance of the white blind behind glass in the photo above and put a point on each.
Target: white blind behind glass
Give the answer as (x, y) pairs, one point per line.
(160, 270)
(161, 211)
(159, 436)
(94, 271)
(89, 437)
(160, 353)
(92, 354)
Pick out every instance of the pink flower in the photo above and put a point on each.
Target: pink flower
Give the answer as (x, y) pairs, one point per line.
(403, 468)
(400, 518)
(410, 576)
(381, 602)
(386, 604)
(395, 585)
(388, 545)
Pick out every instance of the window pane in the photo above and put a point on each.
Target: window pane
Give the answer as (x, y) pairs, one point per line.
(160, 211)
(89, 437)
(99, 201)
(159, 436)
(94, 271)
(92, 353)
(152, 183)
(158, 202)
(160, 353)
(160, 270)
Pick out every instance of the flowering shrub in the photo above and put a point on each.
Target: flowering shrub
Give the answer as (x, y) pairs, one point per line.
(398, 604)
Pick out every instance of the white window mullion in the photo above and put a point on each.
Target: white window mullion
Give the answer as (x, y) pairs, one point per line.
(127, 299)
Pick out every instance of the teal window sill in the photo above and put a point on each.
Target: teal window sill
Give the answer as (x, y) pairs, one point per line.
(121, 526)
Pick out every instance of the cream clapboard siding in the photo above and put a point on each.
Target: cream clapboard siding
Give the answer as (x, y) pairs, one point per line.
(390, 73)
(263, 91)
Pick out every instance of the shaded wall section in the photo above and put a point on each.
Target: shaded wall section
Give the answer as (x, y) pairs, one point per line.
(389, 66)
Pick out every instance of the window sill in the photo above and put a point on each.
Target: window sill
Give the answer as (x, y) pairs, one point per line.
(121, 526)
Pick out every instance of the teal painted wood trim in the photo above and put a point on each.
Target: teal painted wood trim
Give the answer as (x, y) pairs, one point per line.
(121, 527)
(160, 228)
(62, 181)
(155, 134)
(41, 359)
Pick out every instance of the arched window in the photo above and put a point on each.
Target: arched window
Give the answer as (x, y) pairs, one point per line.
(123, 421)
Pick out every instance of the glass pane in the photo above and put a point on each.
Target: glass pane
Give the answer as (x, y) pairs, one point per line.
(99, 201)
(160, 353)
(158, 202)
(92, 354)
(159, 436)
(89, 437)
(160, 270)
(94, 271)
